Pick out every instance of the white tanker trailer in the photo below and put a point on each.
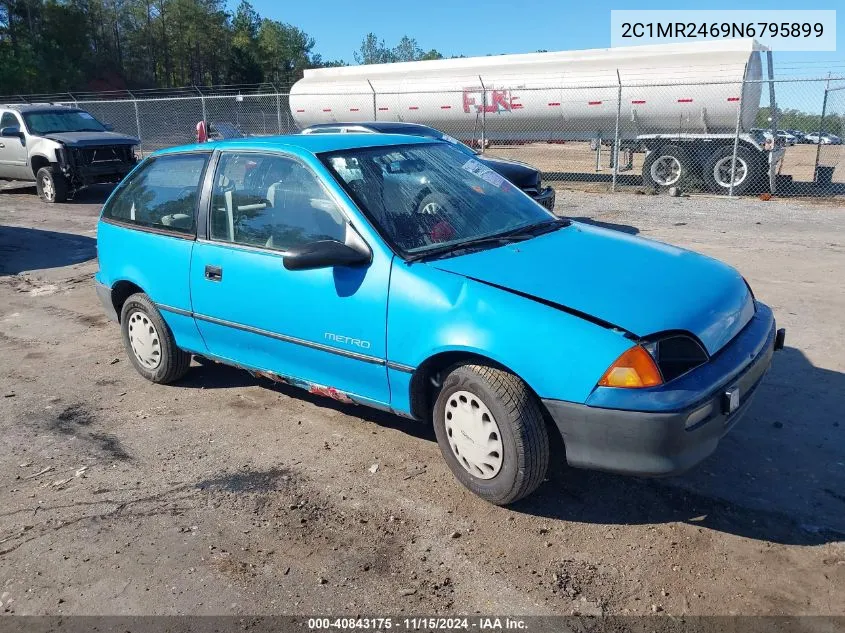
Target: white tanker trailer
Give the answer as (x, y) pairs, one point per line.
(683, 103)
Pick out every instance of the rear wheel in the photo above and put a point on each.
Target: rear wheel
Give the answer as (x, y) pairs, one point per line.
(51, 184)
(667, 166)
(149, 342)
(491, 432)
(719, 165)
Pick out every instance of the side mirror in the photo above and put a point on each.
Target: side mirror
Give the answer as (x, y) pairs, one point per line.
(11, 131)
(108, 127)
(325, 254)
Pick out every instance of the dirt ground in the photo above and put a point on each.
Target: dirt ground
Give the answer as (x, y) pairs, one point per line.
(228, 495)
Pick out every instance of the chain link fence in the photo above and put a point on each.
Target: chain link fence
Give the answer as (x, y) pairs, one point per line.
(717, 137)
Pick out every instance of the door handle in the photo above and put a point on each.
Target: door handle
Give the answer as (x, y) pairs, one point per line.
(2, 145)
(214, 273)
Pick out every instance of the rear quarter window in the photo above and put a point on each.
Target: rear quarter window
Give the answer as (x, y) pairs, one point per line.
(161, 194)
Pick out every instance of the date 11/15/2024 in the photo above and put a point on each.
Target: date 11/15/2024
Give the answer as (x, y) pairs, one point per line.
(421, 623)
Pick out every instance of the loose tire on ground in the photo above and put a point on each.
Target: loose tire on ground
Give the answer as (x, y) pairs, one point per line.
(521, 430)
(51, 184)
(667, 166)
(747, 172)
(149, 343)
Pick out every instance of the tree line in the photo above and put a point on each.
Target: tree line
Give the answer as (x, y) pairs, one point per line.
(793, 119)
(51, 46)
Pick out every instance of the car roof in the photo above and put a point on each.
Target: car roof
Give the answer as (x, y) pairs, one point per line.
(35, 107)
(313, 144)
(378, 126)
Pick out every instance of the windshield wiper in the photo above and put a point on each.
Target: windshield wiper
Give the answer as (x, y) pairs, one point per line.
(518, 234)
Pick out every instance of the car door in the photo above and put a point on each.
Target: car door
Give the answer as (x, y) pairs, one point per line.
(325, 327)
(13, 165)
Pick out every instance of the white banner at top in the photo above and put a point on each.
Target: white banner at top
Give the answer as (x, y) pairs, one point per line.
(777, 30)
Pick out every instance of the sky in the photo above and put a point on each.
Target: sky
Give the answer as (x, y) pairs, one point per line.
(481, 27)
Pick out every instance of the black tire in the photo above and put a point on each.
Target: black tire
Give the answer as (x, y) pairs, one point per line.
(665, 155)
(524, 439)
(51, 184)
(173, 363)
(748, 166)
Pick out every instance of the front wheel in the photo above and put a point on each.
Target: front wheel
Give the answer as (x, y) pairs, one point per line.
(667, 166)
(51, 184)
(150, 343)
(491, 433)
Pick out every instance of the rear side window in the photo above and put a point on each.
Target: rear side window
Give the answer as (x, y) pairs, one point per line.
(162, 194)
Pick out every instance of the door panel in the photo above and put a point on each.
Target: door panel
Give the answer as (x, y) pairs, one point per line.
(324, 326)
(13, 165)
(294, 323)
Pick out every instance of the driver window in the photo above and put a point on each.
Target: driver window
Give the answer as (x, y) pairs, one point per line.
(271, 201)
(9, 120)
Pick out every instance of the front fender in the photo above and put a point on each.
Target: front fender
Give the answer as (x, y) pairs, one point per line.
(43, 148)
(431, 311)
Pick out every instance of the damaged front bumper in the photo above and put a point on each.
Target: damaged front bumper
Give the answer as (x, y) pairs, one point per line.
(666, 430)
(94, 165)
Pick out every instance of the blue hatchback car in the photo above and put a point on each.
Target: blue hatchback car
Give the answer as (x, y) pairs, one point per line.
(399, 273)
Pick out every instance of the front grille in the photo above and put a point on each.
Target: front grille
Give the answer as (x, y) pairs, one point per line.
(96, 156)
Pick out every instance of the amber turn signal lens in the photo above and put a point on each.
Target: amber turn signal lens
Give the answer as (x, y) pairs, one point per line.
(634, 369)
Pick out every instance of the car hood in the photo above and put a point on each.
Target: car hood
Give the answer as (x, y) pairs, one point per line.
(520, 174)
(83, 139)
(638, 285)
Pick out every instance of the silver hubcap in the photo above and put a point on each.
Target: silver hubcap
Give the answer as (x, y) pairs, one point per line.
(473, 434)
(722, 171)
(144, 340)
(666, 170)
(47, 188)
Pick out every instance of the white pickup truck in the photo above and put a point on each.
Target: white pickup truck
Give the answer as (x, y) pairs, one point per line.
(61, 149)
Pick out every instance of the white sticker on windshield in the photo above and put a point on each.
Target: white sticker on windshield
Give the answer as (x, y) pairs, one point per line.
(450, 139)
(85, 115)
(483, 172)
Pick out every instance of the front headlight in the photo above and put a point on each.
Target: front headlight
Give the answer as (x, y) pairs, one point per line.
(654, 362)
(634, 369)
(676, 354)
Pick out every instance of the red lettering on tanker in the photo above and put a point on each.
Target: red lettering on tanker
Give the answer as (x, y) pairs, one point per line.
(495, 101)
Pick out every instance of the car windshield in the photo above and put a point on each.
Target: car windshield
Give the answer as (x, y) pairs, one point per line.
(52, 121)
(433, 197)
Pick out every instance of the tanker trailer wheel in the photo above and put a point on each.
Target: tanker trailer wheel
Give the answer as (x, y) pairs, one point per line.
(667, 166)
(746, 172)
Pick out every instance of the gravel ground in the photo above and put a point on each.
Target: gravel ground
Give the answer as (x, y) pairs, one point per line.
(228, 495)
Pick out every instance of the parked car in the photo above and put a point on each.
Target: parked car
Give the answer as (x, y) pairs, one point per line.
(787, 137)
(798, 134)
(304, 259)
(524, 176)
(823, 139)
(61, 149)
